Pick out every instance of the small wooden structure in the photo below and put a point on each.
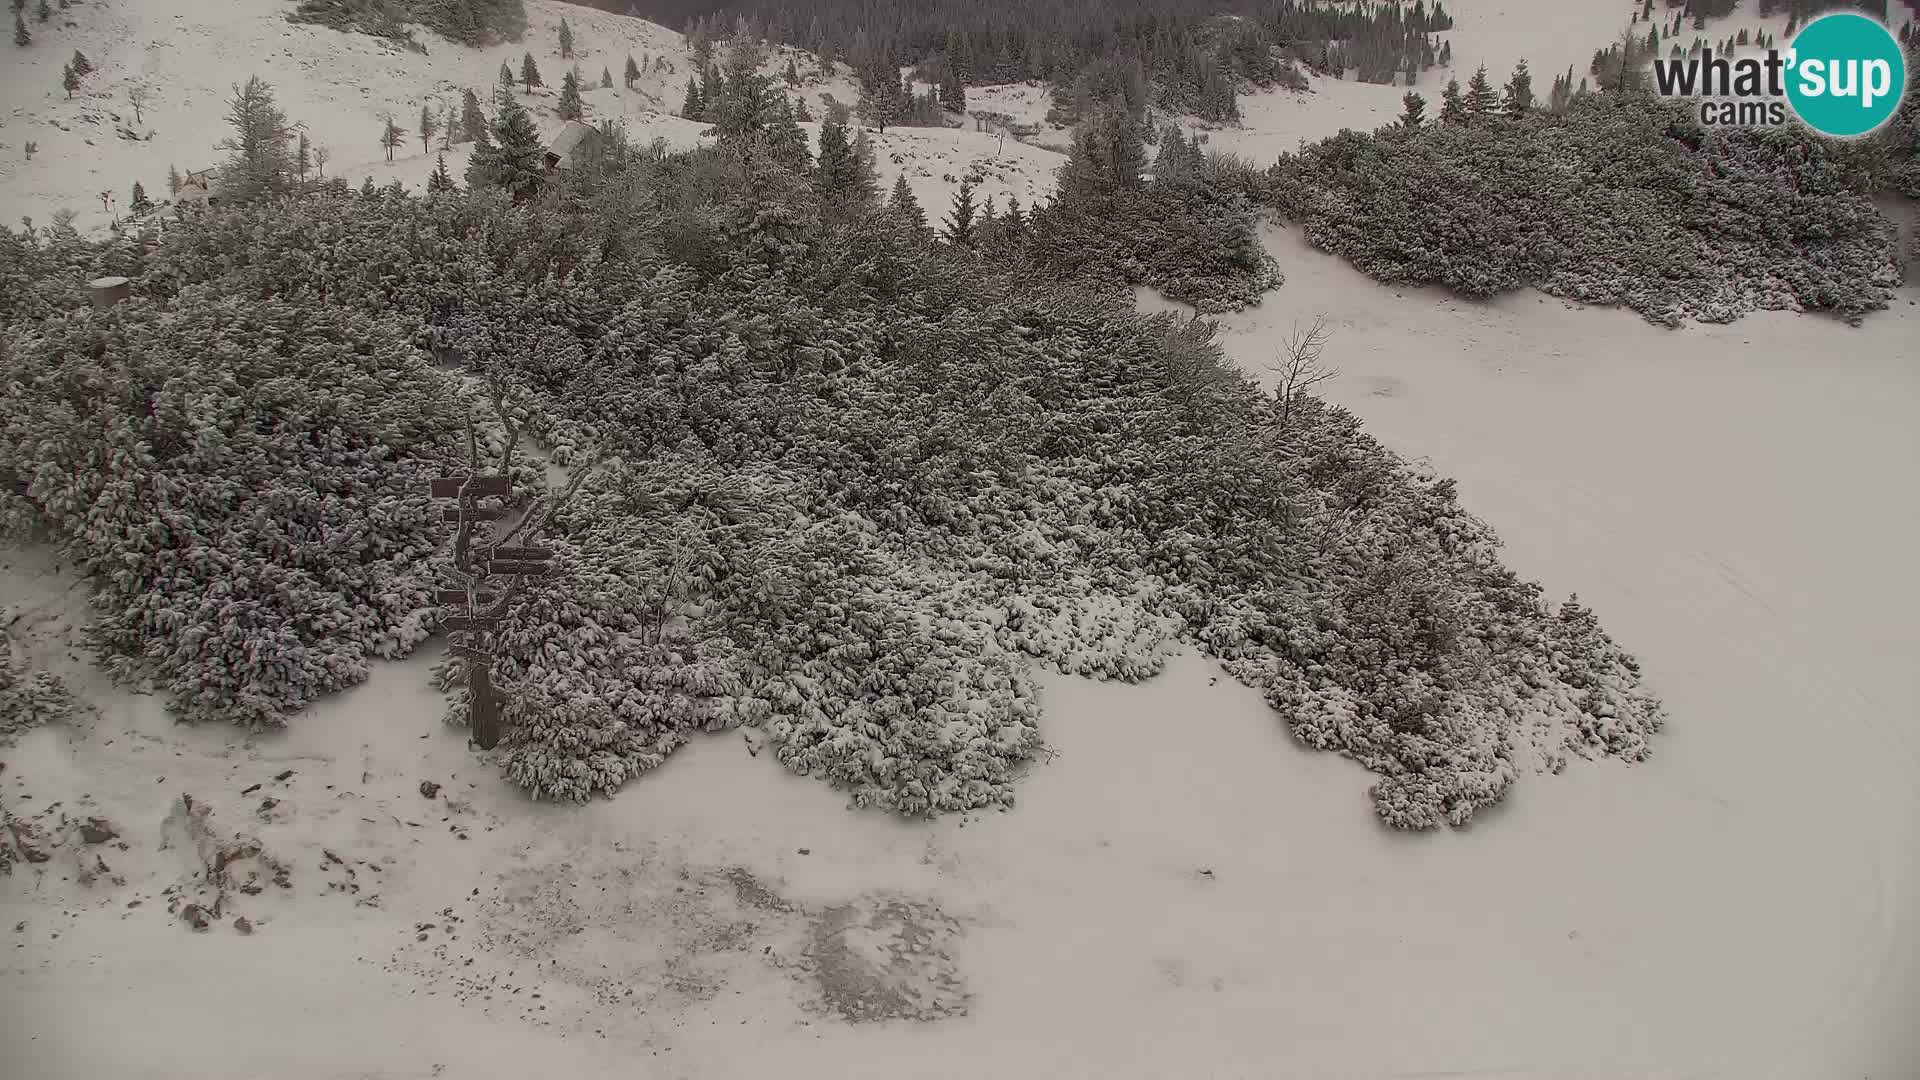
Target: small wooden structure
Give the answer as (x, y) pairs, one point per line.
(474, 613)
(199, 188)
(571, 144)
(108, 291)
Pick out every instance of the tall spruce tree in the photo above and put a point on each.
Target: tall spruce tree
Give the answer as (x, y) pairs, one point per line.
(1414, 109)
(260, 150)
(566, 40)
(606, 79)
(1519, 96)
(1453, 106)
(441, 180)
(570, 106)
(960, 219)
(902, 204)
(692, 108)
(530, 72)
(140, 204)
(21, 36)
(429, 124)
(1482, 101)
(632, 72)
(473, 122)
(515, 161)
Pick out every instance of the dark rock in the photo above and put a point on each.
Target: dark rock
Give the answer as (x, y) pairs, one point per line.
(429, 789)
(97, 831)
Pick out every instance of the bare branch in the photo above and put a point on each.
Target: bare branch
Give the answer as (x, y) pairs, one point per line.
(1299, 367)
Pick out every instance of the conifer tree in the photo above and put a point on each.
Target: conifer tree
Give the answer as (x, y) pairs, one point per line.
(530, 72)
(902, 204)
(792, 74)
(506, 76)
(173, 180)
(440, 181)
(473, 122)
(1481, 98)
(514, 161)
(303, 156)
(786, 141)
(1415, 109)
(960, 220)
(953, 92)
(367, 190)
(81, 66)
(70, 79)
(260, 150)
(606, 79)
(391, 136)
(42, 11)
(632, 72)
(429, 124)
(1519, 96)
(692, 107)
(840, 175)
(20, 35)
(566, 40)
(140, 204)
(1014, 224)
(1453, 107)
(571, 107)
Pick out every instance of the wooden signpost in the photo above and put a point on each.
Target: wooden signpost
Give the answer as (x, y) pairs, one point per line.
(474, 613)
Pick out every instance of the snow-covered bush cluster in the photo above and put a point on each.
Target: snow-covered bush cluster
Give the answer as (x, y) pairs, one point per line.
(1620, 199)
(243, 480)
(28, 698)
(853, 484)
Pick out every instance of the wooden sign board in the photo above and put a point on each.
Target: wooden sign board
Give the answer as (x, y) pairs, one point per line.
(463, 598)
(472, 513)
(531, 554)
(448, 487)
(517, 569)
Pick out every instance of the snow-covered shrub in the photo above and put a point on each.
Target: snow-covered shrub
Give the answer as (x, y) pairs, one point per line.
(1619, 200)
(859, 488)
(28, 698)
(244, 482)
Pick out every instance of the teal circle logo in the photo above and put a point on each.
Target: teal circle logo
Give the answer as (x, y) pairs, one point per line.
(1846, 74)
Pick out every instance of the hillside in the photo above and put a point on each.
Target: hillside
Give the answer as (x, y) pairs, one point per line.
(338, 85)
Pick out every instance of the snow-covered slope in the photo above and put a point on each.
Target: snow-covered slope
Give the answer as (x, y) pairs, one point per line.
(188, 56)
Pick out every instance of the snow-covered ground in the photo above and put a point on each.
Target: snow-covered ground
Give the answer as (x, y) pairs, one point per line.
(1182, 891)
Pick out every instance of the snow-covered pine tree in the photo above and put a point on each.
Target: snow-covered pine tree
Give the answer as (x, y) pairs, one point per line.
(530, 72)
(606, 79)
(902, 204)
(1413, 110)
(69, 79)
(570, 106)
(1453, 106)
(173, 180)
(1519, 95)
(21, 36)
(960, 220)
(429, 124)
(81, 65)
(506, 77)
(1482, 100)
(787, 141)
(367, 190)
(566, 40)
(692, 107)
(260, 150)
(953, 92)
(440, 181)
(515, 161)
(792, 74)
(632, 72)
(473, 122)
(391, 136)
(139, 204)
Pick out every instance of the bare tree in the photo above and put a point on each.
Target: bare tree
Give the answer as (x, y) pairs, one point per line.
(320, 156)
(138, 96)
(1299, 367)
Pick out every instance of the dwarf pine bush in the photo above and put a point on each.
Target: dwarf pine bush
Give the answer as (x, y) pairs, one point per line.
(853, 487)
(1621, 200)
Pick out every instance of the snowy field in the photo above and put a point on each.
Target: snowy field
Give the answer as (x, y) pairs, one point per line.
(1736, 502)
